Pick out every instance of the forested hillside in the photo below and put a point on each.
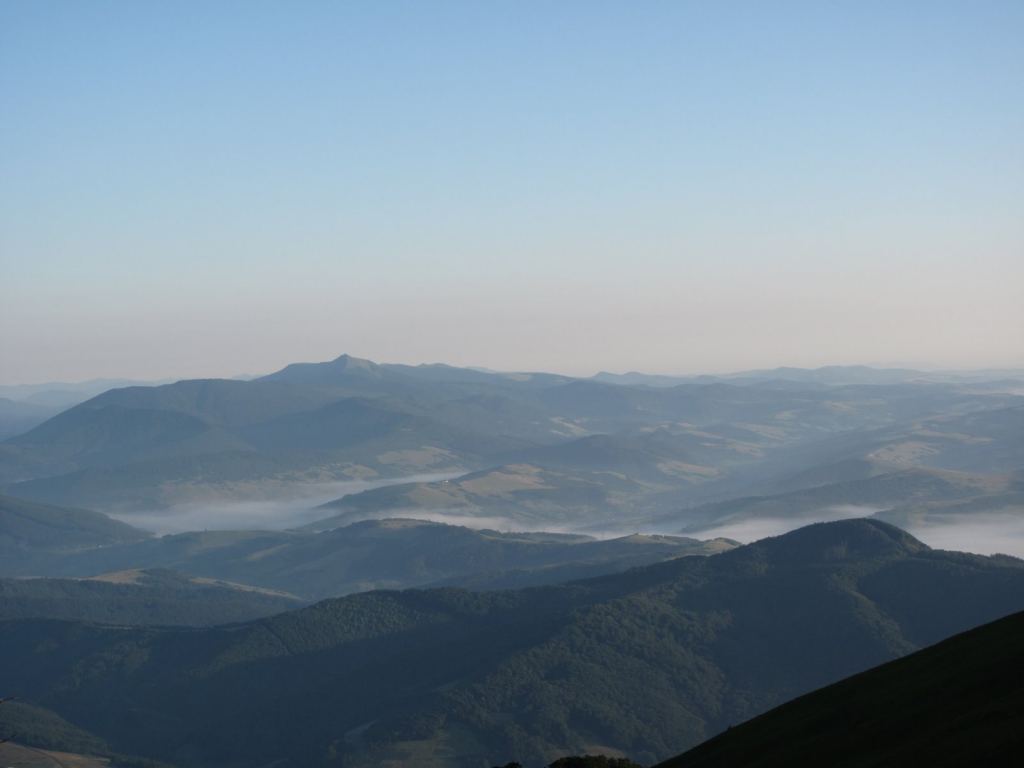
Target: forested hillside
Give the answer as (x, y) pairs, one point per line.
(644, 663)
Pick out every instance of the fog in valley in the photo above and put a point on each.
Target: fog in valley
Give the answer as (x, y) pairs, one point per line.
(746, 531)
(987, 535)
(984, 535)
(277, 514)
(538, 384)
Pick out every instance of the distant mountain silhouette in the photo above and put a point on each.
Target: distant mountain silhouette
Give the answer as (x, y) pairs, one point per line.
(614, 455)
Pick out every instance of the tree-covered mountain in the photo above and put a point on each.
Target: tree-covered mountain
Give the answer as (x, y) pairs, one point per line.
(155, 597)
(139, 445)
(34, 737)
(28, 529)
(646, 663)
(373, 555)
(953, 704)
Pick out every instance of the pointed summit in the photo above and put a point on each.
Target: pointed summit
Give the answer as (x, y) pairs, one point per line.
(347, 362)
(331, 373)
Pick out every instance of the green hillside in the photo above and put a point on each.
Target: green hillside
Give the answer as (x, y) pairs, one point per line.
(139, 598)
(26, 526)
(34, 737)
(644, 663)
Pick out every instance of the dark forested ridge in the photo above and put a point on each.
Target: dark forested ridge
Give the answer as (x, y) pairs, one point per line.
(34, 737)
(27, 525)
(34, 537)
(644, 663)
(139, 598)
(957, 703)
(374, 554)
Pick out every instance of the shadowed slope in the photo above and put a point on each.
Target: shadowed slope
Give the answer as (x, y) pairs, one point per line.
(954, 704)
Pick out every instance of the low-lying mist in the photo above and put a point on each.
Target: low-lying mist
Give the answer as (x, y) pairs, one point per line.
(979, 534)
(274, 514)
(983, 535)
(749, 530)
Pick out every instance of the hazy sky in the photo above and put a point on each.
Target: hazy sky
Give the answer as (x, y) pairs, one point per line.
(212, 188)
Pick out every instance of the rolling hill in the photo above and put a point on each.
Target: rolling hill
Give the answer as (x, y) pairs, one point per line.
(520, 496)
(375, 555)
(148, 447)
(920, 488)
(27, 527)
(989, 441)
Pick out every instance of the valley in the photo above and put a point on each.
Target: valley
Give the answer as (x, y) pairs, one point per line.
(320, 445)
(511, 385)
(352, 564)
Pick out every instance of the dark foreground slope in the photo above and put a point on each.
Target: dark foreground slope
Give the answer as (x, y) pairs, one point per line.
(645, 663)
(957, 703)
(33, 737)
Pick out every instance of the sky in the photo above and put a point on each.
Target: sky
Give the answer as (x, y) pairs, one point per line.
(217, 188)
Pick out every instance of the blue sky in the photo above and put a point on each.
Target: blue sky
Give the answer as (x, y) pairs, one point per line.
(210, 188)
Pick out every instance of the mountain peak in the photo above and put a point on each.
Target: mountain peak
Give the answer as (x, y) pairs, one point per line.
(348, 361)
(855, 538)
(326, 372)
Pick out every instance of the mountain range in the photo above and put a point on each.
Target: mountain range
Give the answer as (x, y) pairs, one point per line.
(46, 541)
(523, 451)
